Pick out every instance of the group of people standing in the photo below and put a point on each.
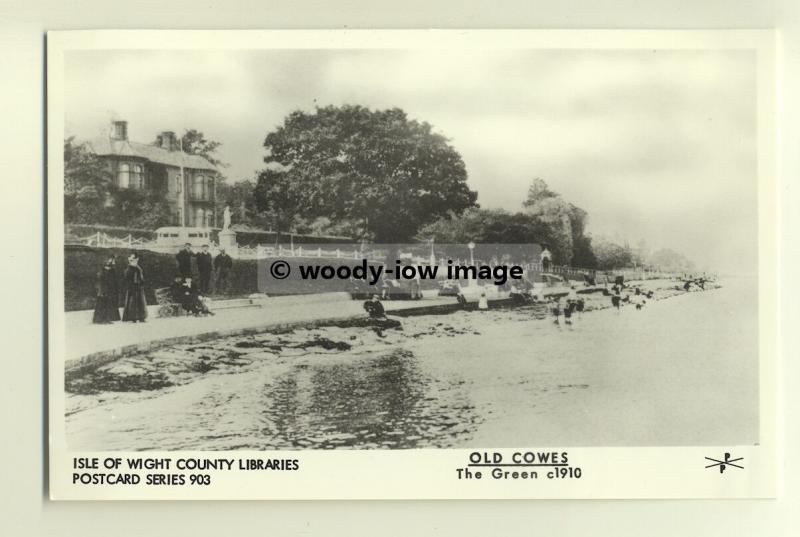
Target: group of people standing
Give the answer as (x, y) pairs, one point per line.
(106, 308)
(638, 298)
(206, 265)
(192, 296)
(571, 304)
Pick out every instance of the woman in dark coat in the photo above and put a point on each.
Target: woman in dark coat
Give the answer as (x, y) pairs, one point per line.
(106, 309)
(135, 303)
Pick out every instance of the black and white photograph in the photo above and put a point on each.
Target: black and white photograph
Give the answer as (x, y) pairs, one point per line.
(394, 249)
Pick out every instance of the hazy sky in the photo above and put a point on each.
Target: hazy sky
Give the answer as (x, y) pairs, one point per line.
(655, 145)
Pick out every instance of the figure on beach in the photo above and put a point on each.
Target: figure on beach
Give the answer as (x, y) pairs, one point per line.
(377, 316)
(572, 304)
(556, 309)
(135, 302)
(568, 309)
(483, 302)
(106, 309)
(616, 298)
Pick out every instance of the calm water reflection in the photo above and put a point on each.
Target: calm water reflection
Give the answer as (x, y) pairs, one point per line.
(670, 374)
(385, 402)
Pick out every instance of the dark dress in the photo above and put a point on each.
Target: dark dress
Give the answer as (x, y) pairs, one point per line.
(135, 303)
(106, 309)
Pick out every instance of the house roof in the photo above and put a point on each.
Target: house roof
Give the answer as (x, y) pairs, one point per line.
(123, 148)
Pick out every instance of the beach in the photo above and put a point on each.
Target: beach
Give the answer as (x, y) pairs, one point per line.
(681, 371)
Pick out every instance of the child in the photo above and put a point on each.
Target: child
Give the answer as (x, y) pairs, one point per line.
(556, 309)
(616, 298)
(483, 302)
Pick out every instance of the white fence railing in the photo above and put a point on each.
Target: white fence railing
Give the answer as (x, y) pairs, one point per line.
(103, 240)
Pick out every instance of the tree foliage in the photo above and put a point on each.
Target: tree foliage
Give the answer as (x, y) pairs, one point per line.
(566, 224)
(279, 198)
(670, 260)
(144, 209)
(194, 142)
(378, 169)
(487, 227)
(86, 184)
(611, 255)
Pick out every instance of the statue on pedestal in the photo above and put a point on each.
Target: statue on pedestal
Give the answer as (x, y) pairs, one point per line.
(226, 218)
(227, 237)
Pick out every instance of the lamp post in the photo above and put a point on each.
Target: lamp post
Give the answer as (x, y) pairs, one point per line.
(182, 192)
(433, 254)
(471, 247)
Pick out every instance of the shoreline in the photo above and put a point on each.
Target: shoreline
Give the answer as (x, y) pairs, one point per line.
(334, 309)
(312, 356)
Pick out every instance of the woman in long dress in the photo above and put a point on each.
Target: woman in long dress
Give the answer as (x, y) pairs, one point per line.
(106, 309)
(135, 303)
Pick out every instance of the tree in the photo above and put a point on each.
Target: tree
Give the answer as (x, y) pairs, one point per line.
(538, 191)
(492, 230)
(670, 260)
(194, 142)
(239, 196)
(137, 208)
(389, 174)
(279, 198)
(611, 255)
(582, 252)
(550, 209)
(566, 225)
(87, 181)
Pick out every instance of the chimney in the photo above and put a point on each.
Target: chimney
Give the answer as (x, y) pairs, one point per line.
(167, 140)
(120, 130)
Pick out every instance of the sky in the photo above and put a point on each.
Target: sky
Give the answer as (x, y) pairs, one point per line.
(657, 145)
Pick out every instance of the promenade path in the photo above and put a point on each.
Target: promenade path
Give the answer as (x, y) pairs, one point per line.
(87, 342)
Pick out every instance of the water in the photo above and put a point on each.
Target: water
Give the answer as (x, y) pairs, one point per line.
(682, 371)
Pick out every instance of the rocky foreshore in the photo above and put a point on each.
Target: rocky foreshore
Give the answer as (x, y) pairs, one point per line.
(145, 375)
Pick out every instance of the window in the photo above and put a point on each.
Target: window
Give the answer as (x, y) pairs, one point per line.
(137, 177)
(199, 217)
(123, 175)
(179, 183)
(179, 216)
(199, 191)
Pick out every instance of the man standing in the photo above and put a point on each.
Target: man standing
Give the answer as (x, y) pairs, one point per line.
(223, 264)
(184, 258)
(204, 268)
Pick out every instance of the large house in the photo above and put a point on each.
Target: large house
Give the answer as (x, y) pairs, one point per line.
(158, 167)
